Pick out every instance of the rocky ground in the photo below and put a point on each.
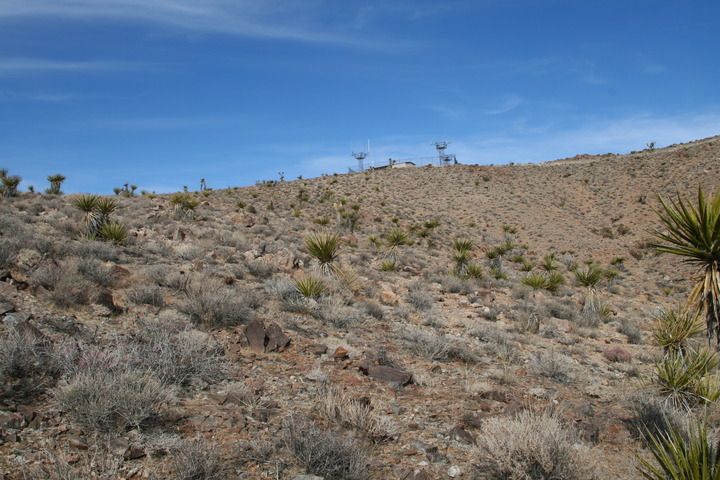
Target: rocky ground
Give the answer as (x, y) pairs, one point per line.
(187, 351)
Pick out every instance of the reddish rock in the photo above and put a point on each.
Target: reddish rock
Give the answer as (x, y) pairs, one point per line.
(319, 349)
(104, 297)
(277, 340)
(341, 353)
(7, 289)
(255, 334)
(461, 435)
(390, 375)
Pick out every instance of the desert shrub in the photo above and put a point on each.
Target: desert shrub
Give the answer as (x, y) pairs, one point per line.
(290, 299)
(420, 299)
(85, 248)
(588, 319)
(210, 303)
(372, 308)
(147, 294)
(197, 460)
(260, 268)
(24, 354)
(453, 284)
(113, 400)
(430, 346)
(8, 252)
(337, 311)
(90, 466)
(531, 446)
(561, 310)
(174, 353)
(632, 331)
(334, 405)
(617, 354)
(324, 453)
(653, 417)
(94, 271)
(552, 365)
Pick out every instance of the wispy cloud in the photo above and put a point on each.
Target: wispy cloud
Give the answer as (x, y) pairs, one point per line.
(308, 21)
(593, 136)
(511, 102)
(10, 66)
(159, 123)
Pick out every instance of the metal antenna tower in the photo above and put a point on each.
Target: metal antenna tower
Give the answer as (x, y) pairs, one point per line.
(441, 146)
(360, 156)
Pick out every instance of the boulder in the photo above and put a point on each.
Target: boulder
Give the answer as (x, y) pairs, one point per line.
(388, 374)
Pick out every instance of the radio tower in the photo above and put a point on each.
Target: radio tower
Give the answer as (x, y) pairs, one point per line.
(360, 156)
(444, 158)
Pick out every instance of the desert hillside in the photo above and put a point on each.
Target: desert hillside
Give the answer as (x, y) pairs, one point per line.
(211, 343)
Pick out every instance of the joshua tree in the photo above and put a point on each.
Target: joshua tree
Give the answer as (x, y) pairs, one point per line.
(55, 184)
(10, 184)
(693, 233)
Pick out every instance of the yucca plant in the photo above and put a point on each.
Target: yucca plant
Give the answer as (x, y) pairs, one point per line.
(461, 245)
(673, 328)
(325, 247)
(686, 380)
(549, 264)
(310, 287)
(87, 203)
(536, 281)
(55, 184)
(397, 238)
(10, 184)
(693, 233)
(388, 265)
(681, 456)
(474, 271)
(589, 278)
(553, 281)
(113, 232)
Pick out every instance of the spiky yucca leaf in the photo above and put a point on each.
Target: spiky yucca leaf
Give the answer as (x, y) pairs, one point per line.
(310, 287)
(113, 232)
(693, 233)
(325, 247)
(673, 328)
(462, 245)
(536, 281)
(397, 237)
(677, 457)
(589, 277)
(683, 379)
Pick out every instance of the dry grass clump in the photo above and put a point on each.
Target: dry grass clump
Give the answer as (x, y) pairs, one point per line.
(552, 365)
(175, 353)
(209, 302)
(336, 406)
(110, 400)
(327, 454)
(25, 355)
(197, 460)
(89, 466)
(531, 446)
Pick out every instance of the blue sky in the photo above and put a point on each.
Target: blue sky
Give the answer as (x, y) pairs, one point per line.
(161, 93)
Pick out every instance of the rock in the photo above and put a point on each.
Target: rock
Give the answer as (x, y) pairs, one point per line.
(10, 421)
(134, 453)
(308, 477)
(453, 471)
(78, 442)
(461, 435)
(104, 297)
(319, 349)
(341, 353)
(119, 446)
(28, 413)
(7, 289)
(390, 375)
(255, 334)
(6, 308)
(16, 318)
(277, 340)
